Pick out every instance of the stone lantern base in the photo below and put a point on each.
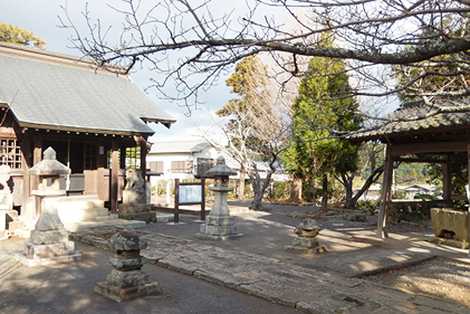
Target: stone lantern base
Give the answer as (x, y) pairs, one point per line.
(49, 247)
(127, 285)
(304, 245)
(127, 281)
(219, 228)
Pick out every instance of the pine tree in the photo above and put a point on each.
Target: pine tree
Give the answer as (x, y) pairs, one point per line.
(15, 35)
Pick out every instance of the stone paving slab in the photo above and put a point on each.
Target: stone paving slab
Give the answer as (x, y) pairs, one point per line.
(310, 290)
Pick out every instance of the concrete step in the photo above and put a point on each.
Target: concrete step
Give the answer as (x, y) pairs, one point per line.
(75, 215)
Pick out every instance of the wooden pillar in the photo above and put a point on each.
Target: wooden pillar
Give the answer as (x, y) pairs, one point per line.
(114, 176)
(143, 164)
(37, 156)
(203, 199)
(176, 218)
(446, 184)
(386, 193)
(26, 156)
(122, 158)
(143, 159)
(468, 165)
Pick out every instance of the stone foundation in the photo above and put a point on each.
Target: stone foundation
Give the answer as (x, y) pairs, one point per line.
(219, 228)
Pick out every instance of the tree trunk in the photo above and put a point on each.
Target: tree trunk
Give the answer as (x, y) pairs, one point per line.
(259, 188)
(324, 200)
(241, 185)
(296, 190)
(348, 189)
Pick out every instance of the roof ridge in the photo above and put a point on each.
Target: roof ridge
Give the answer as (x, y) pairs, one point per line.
(57, 57)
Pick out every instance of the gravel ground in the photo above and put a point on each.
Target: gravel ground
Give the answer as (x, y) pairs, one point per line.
(442, 278)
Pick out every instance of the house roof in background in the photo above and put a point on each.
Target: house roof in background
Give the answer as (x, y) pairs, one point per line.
(416, 119)
(55, 91)
(179, 146)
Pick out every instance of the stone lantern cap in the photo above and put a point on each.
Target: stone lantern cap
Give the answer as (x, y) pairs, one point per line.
(49, 165)
(220, 170)
(126, 241)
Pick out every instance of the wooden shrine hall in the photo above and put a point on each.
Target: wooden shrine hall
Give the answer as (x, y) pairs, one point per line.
(421, 134)
(95, 119)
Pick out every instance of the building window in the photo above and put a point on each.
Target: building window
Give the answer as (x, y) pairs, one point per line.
(182, 166)
(10, 153)
(155, 166)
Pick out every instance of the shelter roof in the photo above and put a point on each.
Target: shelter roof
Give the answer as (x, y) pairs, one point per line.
(416, 119)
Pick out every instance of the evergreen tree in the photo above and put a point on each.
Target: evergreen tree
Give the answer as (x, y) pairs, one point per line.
(15, 35)
(320, 110)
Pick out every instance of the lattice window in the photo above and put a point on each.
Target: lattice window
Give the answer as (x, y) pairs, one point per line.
(133, 157)
(10, 153)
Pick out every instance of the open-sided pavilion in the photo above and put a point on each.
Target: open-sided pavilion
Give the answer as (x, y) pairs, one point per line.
(420, 134)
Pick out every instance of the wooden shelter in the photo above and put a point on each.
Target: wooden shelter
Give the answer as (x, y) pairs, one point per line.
(420, 134)
(92, 117)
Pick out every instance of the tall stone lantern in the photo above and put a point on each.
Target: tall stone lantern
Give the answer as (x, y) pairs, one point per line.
(48, 242)
(219, 224)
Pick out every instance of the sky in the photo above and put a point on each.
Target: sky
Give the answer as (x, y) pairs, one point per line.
(41, 18)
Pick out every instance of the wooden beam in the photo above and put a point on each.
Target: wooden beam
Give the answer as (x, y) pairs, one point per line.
(386, 197)
(114, 178)
(417, 160)
(432, 147)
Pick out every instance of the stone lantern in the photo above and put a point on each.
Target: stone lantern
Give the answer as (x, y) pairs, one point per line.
(219, 224)
(127, 281)
(48, 241)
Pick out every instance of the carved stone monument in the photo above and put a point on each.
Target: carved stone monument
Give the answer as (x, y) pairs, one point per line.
(306, 240)
(48, 242)
(219, 224)
(127, 281)
(6, 200)
(135, 193)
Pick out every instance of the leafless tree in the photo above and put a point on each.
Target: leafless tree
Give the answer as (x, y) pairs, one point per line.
(419, 36)
(256, 137)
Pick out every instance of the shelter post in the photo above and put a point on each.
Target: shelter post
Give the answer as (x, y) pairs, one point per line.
(386, 193)
(446, 184)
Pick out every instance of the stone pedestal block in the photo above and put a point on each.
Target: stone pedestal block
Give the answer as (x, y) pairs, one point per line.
(127, 285)
(219, 228)
(126, 281)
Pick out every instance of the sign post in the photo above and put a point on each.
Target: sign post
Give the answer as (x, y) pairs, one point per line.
(191, 193)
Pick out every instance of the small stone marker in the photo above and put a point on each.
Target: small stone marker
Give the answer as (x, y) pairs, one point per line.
(305, 240)
(219, 224)
(127, 281)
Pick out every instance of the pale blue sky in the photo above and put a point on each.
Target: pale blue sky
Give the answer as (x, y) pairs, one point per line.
(41, 17)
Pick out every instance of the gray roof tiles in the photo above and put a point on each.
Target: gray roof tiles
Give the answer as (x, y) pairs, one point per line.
(57, 95)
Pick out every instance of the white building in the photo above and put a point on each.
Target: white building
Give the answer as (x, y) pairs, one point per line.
(184, 158)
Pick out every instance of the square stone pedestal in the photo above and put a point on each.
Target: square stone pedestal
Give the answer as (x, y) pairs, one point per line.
(49, 247)
(219, 228)
(127, 285)
(305, 245)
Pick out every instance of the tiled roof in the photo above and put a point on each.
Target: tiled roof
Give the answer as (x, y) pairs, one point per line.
(60, 92)
(416, 119)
